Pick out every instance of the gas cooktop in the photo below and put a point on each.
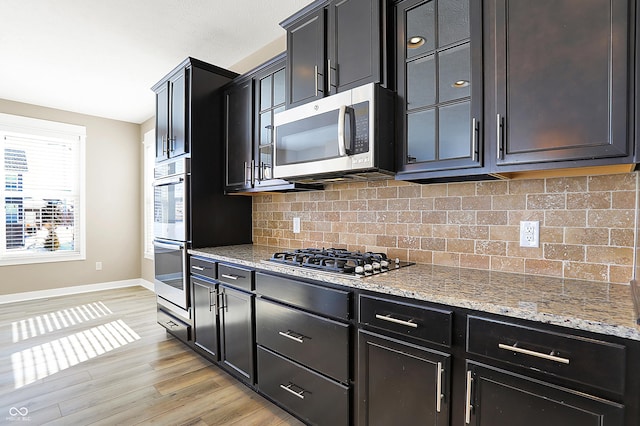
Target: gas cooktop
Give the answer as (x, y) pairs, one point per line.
(340, 261)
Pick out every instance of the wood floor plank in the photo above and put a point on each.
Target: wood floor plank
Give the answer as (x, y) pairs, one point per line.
(151, 379)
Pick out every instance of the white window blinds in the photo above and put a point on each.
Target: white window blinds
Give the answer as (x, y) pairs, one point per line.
(42, 182)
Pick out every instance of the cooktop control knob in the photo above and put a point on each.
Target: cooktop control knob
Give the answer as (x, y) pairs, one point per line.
(376, 266)
(359, 270)
(384, 264)
(368, 269)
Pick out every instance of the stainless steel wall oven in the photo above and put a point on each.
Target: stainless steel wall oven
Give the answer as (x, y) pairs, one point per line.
(171, 230)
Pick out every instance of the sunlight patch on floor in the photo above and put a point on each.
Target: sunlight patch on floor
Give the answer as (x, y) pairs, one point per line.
(43, 360)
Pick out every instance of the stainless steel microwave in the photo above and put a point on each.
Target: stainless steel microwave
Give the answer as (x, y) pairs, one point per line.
(348, 135)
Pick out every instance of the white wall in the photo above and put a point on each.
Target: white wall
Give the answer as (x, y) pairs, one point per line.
(114, 205)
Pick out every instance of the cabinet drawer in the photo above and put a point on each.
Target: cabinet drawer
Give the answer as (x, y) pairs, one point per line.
(206, 268)
(588, 361)
(235, 276)
(312, 297)
(174, 326)
(420, 322)
(316, 399)
(318, 343)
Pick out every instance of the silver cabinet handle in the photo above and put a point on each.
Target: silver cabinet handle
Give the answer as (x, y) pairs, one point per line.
(197, 268)
(253, 165)
(467, 411)
(246, 167)
(315, 71)
(164, 149)
(289, 336)
(329, 75)
(550, 357)
(439, 388)
(230, 277)
(389, 318)
(498, 136)
(474, 139)
(212, 302)
(292, 392)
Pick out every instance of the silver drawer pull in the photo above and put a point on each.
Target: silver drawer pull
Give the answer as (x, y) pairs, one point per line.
(230, 277)
(439, 394)
(289, 336)
(292, 392)
(397, 321)
(197, 268)
(534, 353)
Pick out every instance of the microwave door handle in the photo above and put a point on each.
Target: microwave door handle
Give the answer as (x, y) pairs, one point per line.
(342, 150)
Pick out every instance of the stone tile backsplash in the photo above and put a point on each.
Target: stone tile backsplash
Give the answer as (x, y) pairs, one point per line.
(587, 224)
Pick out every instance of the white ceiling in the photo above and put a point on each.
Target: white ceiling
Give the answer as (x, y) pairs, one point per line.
(100, 57)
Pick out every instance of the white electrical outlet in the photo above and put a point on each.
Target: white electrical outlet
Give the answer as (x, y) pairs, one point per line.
(98, 266)
(529, 233)
(296, 225)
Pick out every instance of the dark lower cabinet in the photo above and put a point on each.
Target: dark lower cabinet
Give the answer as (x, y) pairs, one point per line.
(205, 315)
(401, 383)
(311, 396)
(497, 397)
(236, 332)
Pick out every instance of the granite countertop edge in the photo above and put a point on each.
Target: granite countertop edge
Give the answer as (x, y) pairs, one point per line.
(245, 255)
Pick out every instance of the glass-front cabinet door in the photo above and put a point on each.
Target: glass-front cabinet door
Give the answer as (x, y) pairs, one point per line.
(439, 86)
(270, 90)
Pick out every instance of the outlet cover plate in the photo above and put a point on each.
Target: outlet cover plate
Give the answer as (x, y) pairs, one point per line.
(529, 233)
(296, 225)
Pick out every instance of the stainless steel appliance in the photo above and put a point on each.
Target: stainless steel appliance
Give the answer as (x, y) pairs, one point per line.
(171, 231)
(170, 262)
(349, 135)
(360, 264)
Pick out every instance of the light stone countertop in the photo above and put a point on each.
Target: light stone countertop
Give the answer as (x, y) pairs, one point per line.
(585, 305)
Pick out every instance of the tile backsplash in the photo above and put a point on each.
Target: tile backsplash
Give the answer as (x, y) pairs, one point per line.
(587, 224)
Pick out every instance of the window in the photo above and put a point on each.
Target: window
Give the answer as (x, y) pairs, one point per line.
(42, 191)
(149, 161)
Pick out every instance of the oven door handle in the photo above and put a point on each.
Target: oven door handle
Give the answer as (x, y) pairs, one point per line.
(165, 182)
(168, 246)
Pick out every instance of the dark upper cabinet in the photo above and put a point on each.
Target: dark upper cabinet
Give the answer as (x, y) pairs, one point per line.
(306, 58)
(171, 119)
(334, 46)
(185, 102)
(561, 83)
(497, 397)
(439, 84)
(238, 134)
(250, 105)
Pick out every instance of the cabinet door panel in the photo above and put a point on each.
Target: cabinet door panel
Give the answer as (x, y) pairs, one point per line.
(206, 327)
(236, 331)
(353, 43)
(501, 398)
(238, 135)
(162, 122)
(306, 60)
(179, 101)
(398, 383)
(561, 85)
(440, 64)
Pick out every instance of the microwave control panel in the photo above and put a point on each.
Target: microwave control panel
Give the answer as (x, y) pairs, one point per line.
(360, 140)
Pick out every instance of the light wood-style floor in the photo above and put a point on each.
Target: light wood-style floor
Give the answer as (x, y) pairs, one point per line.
(100, 358)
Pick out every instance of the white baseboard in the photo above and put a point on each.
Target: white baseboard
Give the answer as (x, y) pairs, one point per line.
(55, 292)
